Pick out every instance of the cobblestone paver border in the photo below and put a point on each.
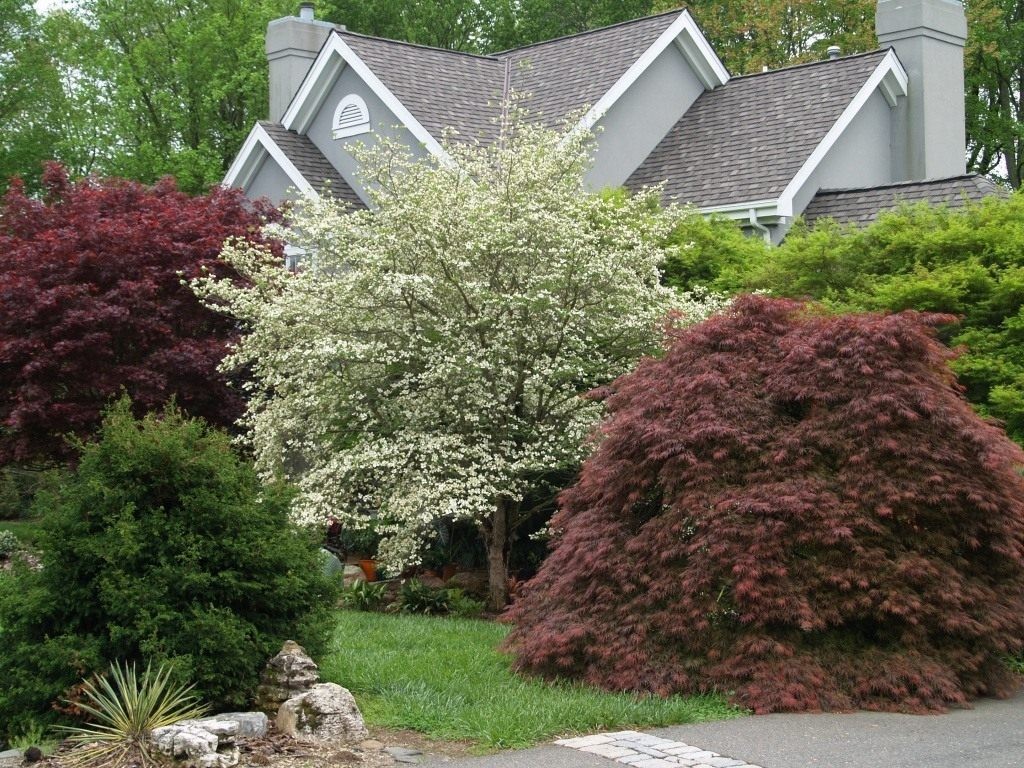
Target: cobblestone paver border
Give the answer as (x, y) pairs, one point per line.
(641, 750)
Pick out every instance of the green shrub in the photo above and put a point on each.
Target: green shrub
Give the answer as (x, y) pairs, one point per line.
(417, 597)
(461, 604)
(162, 547)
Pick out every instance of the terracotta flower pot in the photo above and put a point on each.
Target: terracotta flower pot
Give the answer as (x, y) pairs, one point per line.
(369, 568)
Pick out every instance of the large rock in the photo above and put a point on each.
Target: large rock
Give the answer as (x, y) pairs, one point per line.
(11, 758)
(352, 574)
(327, 712)
(249, 725)
(209, 743)
(288, 674)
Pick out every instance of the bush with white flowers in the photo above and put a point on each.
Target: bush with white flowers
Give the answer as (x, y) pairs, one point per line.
(432, 356)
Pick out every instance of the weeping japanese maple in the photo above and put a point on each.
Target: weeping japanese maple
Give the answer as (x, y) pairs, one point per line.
(796, 508)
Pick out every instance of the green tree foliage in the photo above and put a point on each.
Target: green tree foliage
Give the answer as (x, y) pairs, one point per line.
(29, 92)
(162, 87)
(162, 547)
(751, 34)
(967, 262)
(711, 253)
(461, 25)
(995, 78)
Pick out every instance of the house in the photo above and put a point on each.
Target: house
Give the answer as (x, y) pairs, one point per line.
(843, 138)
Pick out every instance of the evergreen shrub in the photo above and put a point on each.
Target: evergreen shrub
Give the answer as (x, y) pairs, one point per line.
(162, 547)
(795, 508)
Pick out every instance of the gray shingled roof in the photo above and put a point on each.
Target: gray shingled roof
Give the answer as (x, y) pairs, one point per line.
(565, 75)
(311, 163)
(442, 89)
(746, 140)
(862, 206)
(450, 89)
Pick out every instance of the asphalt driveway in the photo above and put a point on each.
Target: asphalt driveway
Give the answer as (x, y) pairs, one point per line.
(991, 735)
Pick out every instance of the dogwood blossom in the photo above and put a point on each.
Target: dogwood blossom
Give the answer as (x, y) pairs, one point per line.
(430, 358)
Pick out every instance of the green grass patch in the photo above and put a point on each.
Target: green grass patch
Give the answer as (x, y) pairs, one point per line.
(445, 678)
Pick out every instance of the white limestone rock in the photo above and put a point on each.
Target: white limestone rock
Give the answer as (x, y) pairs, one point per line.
(327, 712)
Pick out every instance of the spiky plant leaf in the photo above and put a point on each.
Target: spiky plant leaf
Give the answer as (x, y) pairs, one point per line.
(126, 707)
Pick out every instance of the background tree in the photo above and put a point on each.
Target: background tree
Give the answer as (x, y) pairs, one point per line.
(161, 547)
(430, 361)
(30, 93)
(92, 304)
(796, 507)
(995, 78)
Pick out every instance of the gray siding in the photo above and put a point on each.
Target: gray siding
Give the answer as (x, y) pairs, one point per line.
(642, 117)
(383, 122)
(860, 158)
(271, 182)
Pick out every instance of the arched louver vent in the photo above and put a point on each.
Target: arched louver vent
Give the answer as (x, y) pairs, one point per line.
(351, 117)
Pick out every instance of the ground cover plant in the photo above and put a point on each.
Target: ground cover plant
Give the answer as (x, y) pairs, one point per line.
(161, 547)
(446, 678)
(795, 507)
(427, 364)
(92, 304)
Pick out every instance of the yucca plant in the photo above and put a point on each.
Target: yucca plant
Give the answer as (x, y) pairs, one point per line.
(125, 707)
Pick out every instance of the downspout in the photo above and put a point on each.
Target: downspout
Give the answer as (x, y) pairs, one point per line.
(759, 227)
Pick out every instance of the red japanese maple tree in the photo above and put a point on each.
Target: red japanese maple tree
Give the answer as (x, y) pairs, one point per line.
(93, 304)
(796, 508)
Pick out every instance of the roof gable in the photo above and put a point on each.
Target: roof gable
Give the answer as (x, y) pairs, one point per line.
(748, 140)
(442, 89)
(304, 165)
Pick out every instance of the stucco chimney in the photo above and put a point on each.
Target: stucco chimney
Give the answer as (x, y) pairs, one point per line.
(928, 36)
(292, 44)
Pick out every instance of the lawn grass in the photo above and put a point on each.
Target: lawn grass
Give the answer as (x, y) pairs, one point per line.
(445, 678)
(26, 529)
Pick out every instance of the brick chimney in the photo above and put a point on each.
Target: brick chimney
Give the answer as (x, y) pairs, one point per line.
(928, 36)
(292, 44)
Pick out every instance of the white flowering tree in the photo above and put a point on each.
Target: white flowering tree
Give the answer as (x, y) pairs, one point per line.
(432, 355)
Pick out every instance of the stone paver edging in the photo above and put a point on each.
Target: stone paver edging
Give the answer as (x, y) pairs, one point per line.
(641, 750)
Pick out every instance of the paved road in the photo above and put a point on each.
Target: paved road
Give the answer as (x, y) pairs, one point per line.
(991, 735)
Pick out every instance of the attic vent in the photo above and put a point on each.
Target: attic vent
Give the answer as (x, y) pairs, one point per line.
(351, 117)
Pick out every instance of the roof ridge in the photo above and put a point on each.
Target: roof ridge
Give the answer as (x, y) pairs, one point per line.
(467, 54)
(509, 51)
(897, 184)
(807, 64)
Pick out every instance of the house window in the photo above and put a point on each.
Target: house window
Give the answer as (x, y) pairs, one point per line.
(351, 117)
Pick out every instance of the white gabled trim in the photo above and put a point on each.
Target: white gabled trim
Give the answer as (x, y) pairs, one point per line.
(891, 79)
(685, 33)
(333, 57)
(247, 162)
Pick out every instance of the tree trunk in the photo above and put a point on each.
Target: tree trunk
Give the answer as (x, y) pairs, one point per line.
(496, 538)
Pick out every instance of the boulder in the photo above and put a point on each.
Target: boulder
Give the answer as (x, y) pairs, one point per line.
(332, 565)
(11, 758)
(327, 712)
(352, 574)
(206, 744)
(290, 673)
(250, 725)
(431, 580)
